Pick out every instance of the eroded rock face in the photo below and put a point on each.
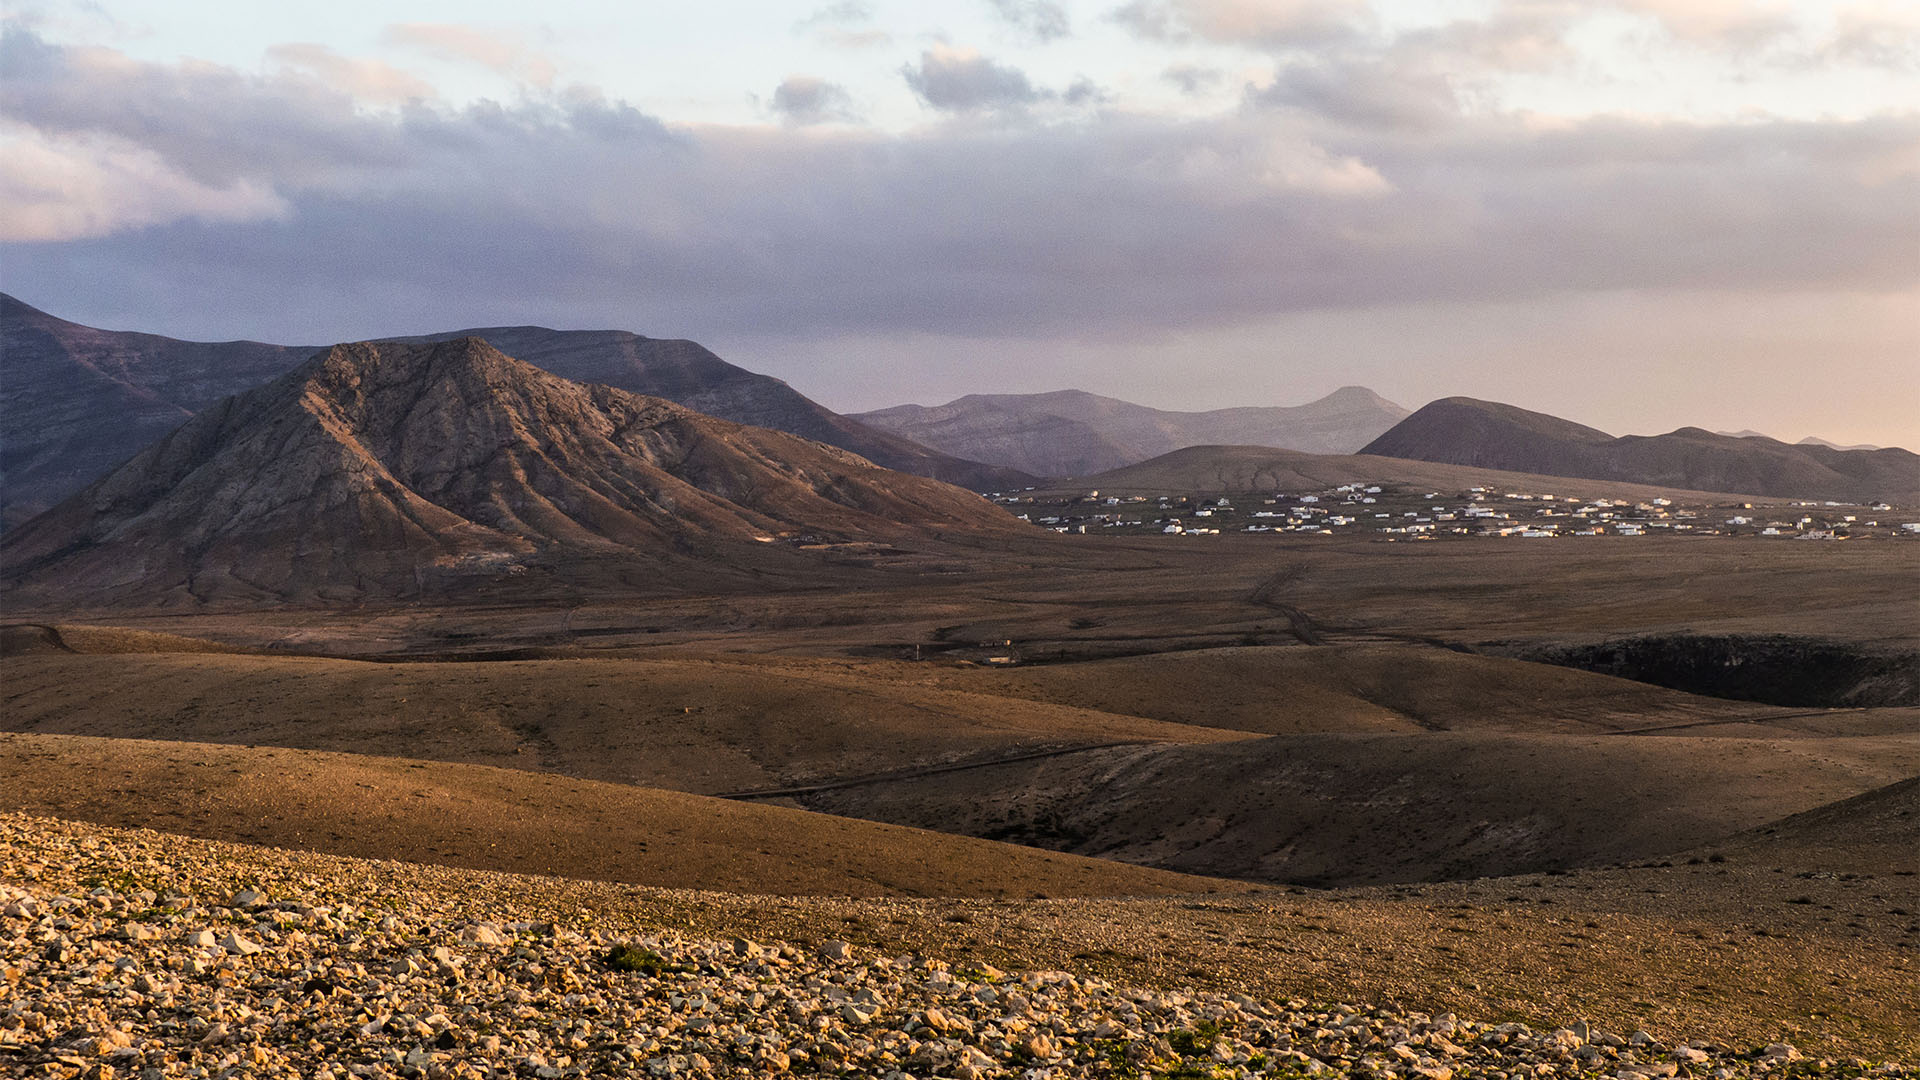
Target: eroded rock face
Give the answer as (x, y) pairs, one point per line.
(387, 470)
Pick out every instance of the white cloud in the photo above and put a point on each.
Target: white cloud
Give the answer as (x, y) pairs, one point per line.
(1259, 23)
(54, 190)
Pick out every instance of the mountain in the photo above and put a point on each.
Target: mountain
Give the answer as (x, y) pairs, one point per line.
(1811, 440)
(1815, 440)
(1234, 469)
(1074, 433)
(76, 401)
(1465, 431)
(382, 471)
(689, 374)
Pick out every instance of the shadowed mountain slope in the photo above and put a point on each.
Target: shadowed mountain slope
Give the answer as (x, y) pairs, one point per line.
(387, 471)
(1465, 431)
(76, 401)
(1074, 433)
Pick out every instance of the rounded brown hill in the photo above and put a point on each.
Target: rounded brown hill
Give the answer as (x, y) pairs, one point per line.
(379, 471)
(504, 819)
(1491, 435)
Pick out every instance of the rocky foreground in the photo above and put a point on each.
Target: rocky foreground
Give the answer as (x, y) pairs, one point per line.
(126, 953)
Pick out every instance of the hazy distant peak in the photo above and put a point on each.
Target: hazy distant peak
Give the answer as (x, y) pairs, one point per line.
(1815, 440)
(1076, 433)
(1354, 395)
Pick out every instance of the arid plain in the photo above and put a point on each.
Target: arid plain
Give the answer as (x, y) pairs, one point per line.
(1335, 750)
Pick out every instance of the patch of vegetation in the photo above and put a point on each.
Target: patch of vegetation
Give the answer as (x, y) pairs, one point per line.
(120, 881)
(1197, 1040)
(645, 961)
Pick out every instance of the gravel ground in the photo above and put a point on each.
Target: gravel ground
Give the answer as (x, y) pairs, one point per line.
(126, 953)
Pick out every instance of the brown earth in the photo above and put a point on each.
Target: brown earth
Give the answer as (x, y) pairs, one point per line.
(1367, 809)
(1390, 749)
(1713, 947)
(510, 820)
(692, 725)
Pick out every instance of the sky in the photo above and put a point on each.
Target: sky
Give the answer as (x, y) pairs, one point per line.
(1637, 214)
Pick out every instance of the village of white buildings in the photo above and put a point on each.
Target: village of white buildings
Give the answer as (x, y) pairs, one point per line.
(1396, 513)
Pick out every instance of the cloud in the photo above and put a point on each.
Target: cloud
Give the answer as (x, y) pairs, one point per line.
(279, 207)
(844, 25)
(1041, 20)
(1257, 23)
(1736, 24)
(961, 80)
(366, 80)
(1193, 79)
(503, 53)
(1364, 93)
(804, 99)
(56, 190)
(841, 13)
(1874, 36)
(213, 125)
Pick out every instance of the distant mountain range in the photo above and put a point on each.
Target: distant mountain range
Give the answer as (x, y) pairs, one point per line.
(1811, 440)
(76, 401)
(1074, 433)
(1485, 434)
(388, 471)
(1238, 469)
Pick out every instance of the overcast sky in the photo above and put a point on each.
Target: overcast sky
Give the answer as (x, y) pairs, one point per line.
(1637, 215)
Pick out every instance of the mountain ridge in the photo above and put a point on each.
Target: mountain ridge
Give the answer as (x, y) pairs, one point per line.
(78, 400)
(382, 470)
(1494, 435)
(1077, 433)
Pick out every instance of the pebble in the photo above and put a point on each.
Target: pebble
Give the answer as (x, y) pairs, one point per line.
(421, 986)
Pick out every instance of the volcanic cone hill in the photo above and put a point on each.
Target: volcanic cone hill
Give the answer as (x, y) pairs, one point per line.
(1465, 431)
(381, 471)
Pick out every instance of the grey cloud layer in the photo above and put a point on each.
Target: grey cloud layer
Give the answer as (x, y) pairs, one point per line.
(960, 80)
(804, 99)
(591, 211)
